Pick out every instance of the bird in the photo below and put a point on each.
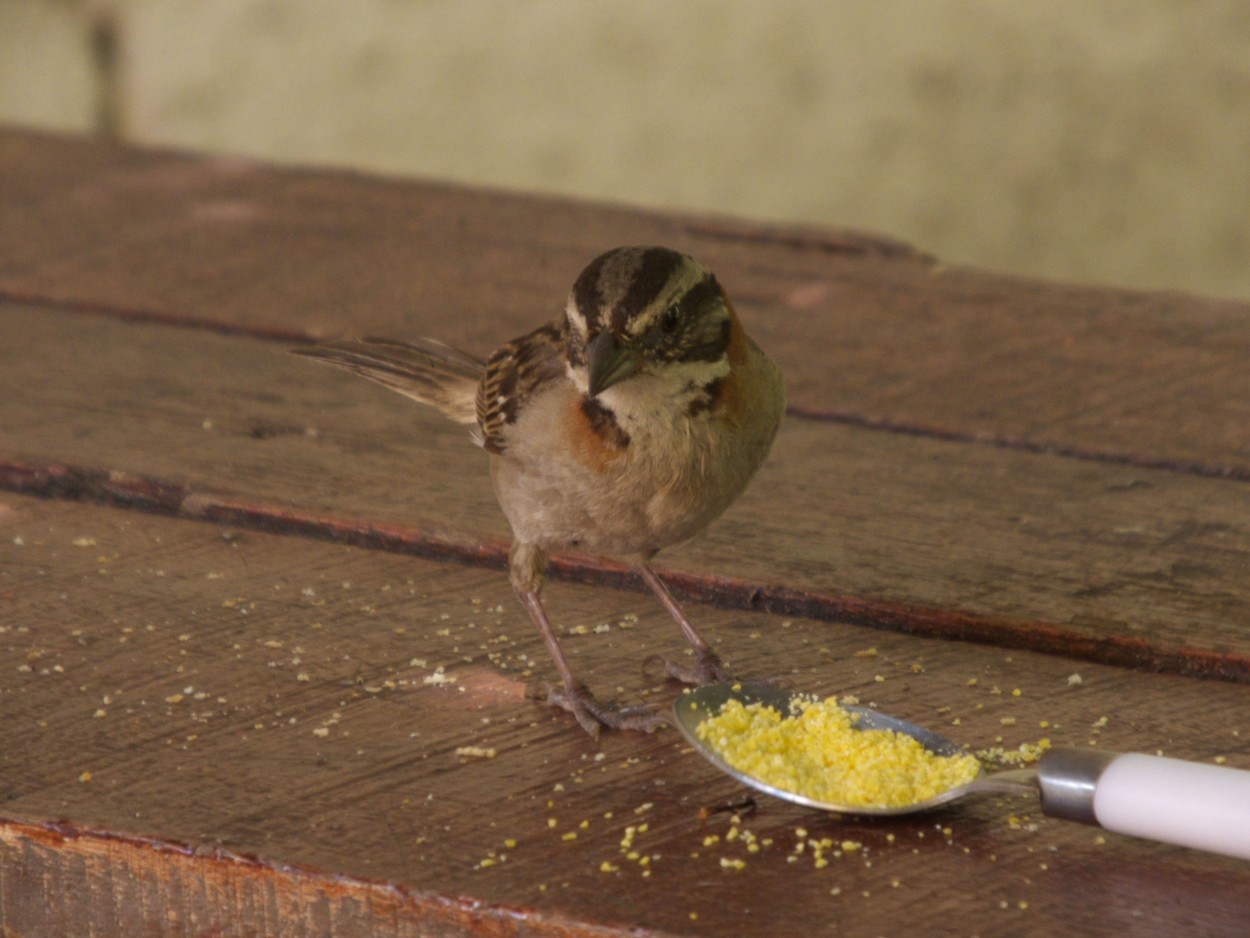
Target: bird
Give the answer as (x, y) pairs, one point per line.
(624, 426)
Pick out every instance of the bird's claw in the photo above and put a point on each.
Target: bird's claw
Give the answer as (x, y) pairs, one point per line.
(706, 669)
(593, 714)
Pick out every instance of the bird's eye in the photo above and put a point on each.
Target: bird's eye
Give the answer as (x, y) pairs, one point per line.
(670, 319)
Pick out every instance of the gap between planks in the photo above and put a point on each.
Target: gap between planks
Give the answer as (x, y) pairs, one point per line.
(134, 492)
(287, 336)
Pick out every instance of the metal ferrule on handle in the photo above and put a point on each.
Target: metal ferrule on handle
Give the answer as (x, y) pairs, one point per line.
(1068, 779)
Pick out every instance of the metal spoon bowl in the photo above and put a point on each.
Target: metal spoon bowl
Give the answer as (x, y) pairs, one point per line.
(1192, 804)
(696, 706)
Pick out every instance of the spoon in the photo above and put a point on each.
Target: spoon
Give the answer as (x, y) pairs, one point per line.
(1190, 804)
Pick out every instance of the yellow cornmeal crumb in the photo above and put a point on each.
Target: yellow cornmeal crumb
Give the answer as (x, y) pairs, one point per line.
(819, 754)
(1026, 754)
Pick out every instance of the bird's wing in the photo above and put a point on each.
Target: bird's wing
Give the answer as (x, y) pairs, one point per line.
(512, 375)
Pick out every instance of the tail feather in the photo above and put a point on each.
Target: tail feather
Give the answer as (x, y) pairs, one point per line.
(425, 370)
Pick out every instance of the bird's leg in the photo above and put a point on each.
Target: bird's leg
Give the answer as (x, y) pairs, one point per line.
(525, 566)
(707, 666)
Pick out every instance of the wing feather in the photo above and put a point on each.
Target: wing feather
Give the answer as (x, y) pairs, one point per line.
(512, 374)
(425, 370)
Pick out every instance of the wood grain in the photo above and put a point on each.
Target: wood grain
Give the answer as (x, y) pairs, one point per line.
(266, 755)
(867, 330)
(260, 672)
(1128, 565)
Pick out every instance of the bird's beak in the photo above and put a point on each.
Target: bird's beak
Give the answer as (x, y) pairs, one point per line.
(608, 362)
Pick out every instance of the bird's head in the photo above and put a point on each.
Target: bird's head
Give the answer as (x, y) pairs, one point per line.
(646, 311)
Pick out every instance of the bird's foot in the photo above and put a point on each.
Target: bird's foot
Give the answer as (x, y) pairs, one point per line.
(593, 714)
(707, 668)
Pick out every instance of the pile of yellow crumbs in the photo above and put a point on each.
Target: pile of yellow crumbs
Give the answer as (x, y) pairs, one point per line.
(819, 754)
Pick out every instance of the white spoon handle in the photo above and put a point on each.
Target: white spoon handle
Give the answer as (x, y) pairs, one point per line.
(1190, 804)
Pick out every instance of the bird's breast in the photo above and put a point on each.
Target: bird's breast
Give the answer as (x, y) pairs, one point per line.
(636, 470)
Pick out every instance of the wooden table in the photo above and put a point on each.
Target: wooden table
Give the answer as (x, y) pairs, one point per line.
(261, 672)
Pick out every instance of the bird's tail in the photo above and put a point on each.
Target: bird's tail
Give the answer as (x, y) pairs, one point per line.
(425, 370)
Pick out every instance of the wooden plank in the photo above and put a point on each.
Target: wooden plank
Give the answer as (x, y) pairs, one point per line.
(263, 749)
(1128, 565)
(867, 331)
(266, 756)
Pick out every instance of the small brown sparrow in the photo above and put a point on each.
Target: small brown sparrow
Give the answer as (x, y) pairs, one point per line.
(626, 425)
